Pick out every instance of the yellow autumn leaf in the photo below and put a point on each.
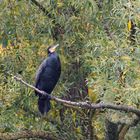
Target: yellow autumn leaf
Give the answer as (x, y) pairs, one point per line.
(93, 75)
(97, 125)
(19, 126)
(99, 129)
(63, 59)
(74, 116)
(126, 58)
(92, 95)
(53, 114)
(125, 71)
(130, 103)
(1, 49)
(74, 18)
(78, 129)
(60, 4)
(129, 25)
(115, 117)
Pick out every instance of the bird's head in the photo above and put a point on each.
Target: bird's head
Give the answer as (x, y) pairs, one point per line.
(51, 49)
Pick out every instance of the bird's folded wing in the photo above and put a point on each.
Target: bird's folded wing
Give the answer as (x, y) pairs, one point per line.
(39, 72)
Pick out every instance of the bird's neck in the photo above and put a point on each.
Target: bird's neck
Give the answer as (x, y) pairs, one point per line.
(51, 53)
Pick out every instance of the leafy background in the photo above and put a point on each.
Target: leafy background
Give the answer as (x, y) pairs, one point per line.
(94, 45)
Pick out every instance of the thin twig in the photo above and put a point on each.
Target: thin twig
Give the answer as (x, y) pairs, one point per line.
(42, 8)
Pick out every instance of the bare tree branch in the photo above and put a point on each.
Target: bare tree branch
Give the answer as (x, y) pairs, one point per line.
(123, 132)
(28, 134)
(42, 8)
(86, 105)
(134, 122)
(126, 127)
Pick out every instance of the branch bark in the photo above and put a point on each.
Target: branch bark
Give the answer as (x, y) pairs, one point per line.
(43, 9)
(86, 105)
(126, 127)
(57, 30)
(91, 130)
(27, 134)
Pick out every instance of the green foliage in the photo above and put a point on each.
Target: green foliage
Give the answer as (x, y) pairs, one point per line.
(94, 45)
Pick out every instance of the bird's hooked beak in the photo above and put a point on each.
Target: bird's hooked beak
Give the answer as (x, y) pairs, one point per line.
(53, 48)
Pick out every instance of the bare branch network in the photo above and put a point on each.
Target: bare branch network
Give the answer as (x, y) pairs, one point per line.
(86, 105)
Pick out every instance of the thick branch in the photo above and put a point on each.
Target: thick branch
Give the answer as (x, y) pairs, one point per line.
(27, 134)
(86, 105)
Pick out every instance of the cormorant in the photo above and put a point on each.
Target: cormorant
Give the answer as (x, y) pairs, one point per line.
(46, 78)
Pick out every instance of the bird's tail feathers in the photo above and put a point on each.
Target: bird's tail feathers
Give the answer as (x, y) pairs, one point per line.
(44, 105)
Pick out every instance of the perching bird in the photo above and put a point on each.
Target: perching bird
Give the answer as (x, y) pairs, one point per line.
(46, 78)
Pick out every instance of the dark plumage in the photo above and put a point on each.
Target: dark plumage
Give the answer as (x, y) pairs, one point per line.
(47, 77)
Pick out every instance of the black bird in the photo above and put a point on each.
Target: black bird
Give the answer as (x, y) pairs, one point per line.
(46, 78)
